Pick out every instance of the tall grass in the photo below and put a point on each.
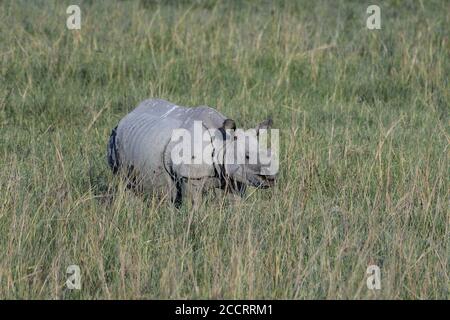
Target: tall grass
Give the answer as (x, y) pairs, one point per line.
(364, 170)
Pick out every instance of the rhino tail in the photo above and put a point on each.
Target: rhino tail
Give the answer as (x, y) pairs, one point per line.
(113, 154)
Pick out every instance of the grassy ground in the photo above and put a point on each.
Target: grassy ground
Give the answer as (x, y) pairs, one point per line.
(364, 119)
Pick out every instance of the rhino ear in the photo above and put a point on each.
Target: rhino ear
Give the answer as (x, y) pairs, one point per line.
(266, 124)
(229, 124)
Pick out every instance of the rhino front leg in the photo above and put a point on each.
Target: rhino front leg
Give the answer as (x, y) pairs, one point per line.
(176, 191)
(195, 189)
(182, 188)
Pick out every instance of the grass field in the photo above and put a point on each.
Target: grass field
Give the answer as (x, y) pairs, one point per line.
(364, 167)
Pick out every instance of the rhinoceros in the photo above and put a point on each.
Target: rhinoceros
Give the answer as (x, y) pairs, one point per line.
(142, 148)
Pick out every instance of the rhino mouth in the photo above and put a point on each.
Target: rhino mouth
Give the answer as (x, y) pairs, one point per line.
(261, 181)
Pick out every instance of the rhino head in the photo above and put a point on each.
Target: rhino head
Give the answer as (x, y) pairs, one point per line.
(246, 157)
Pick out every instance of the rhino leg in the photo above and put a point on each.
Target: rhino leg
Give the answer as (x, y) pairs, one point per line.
(194, 190)
(177, 187)
(112, 152)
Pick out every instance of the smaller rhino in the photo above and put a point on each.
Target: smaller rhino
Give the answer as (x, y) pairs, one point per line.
(142, 147)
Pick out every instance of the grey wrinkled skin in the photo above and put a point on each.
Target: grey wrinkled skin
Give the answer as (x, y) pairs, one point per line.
(140, 148)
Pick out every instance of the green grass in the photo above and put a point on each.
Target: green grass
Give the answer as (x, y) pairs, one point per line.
(364, 170)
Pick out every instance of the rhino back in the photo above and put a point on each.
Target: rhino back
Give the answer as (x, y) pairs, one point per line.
(166, 110)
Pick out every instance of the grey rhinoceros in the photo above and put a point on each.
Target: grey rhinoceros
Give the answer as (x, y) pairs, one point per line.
(143, 148)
